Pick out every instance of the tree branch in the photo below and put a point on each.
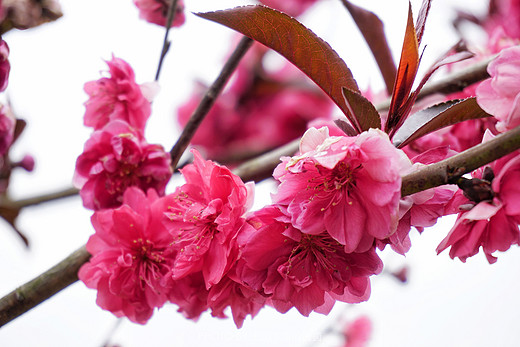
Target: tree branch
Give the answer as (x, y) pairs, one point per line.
(166, 43)
(42, 287)
(208, 100)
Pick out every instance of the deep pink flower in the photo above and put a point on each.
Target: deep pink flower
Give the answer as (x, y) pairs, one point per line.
(5, 66)
(156, 11)
(7, 125)
(231, 292)
(291, 7)
(492, 223)
(114, 159)
(305, 271)
(349, 186)
(131, 257)
(205, 217)
(357, 333)
(500, 94)
(118, 97)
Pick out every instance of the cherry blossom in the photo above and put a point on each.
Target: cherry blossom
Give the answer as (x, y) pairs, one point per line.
(5, 66)
(309, 272)
(118, 97)
(131, 257)
(291, 7)
(205, 216)
(349, 186)
(500, 94)
(115, 158)
(7, 124)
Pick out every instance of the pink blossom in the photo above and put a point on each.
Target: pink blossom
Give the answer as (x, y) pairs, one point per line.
(305, 271)
(7, 125)
(5, 66)
(493, 222)
(231, 292)
(156, 11)
(115, 158)
(118, 97)
(131, 257)
(505, 14)
(357, 333)
(291, 7)
(349, 186)
(205, 217)
(500, 94)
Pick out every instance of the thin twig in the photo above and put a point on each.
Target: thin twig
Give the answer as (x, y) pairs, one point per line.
(166, 43)
(64, 193)
(208, 100)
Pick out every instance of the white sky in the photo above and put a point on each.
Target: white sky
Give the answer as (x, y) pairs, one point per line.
(446, 303)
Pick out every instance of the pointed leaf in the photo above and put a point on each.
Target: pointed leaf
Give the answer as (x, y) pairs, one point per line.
(406, 72)
(437, 117)
(363, 110)
(372, 29)
(421, 19)
(296, 43)
(345, 127)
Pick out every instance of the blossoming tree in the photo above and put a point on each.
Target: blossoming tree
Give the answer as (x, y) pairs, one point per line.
(357, 171)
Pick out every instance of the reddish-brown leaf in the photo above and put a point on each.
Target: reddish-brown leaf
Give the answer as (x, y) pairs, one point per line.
(437, 117)
(296, 43)
(372, 29)
(362, 108)
(421, 19)
(345, 127)
(406, 72)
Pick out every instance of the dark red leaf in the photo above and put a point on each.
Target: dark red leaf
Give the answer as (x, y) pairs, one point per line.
(421, 19)
(296, 43)
(345, 127)
(364, 110)
(406, 72)
(437, 117)
(373, 31)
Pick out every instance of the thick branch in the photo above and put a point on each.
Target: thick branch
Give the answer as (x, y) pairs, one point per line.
(208, 100)
(42, 287)
(449, 170)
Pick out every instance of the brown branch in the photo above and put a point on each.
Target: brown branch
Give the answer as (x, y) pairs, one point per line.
(449, 170)
(208, 100)
(42, 287)
(166, 43)
(64, 193)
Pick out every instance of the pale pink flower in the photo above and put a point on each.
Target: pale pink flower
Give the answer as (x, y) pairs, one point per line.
(505, 14)
(115, 158)
(357, 333)
(349, 186)
(7, 125)
(131, 257)
(493, 222)
(156, 11)
(500, 94)
(205, 216)
(291, 7)
(5, 66)
(118, 97)
(308, 272)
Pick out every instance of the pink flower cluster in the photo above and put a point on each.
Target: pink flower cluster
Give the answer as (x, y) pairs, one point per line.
(260, 110)
(117, 156)
(183, 248)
